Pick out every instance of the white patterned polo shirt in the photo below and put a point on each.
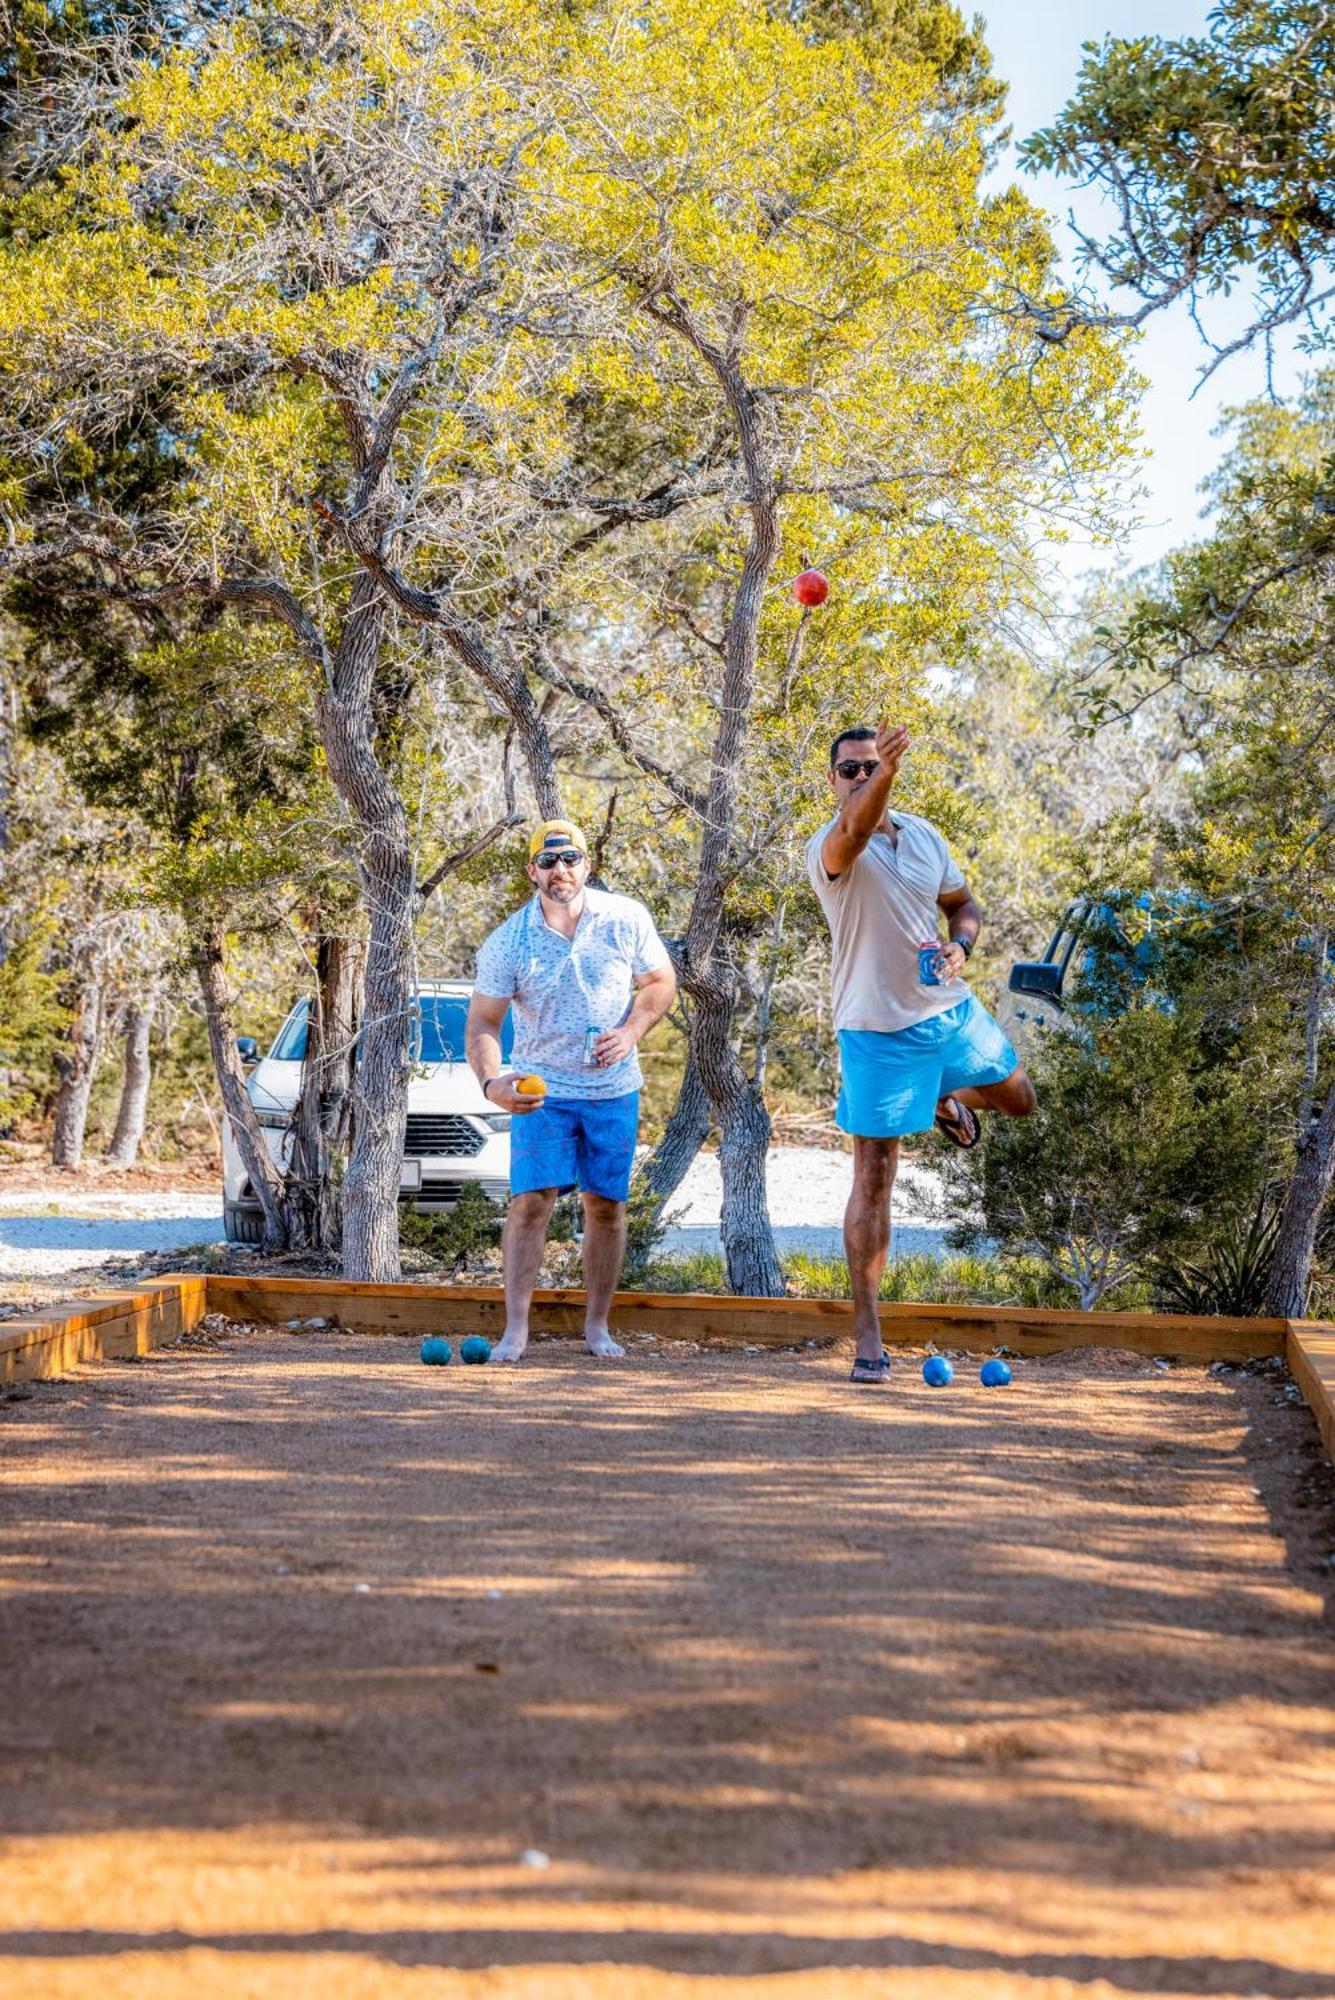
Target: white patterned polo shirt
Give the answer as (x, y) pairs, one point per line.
(560, 987)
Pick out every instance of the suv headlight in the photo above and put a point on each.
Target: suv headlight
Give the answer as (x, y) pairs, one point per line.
(276, 1121)
(499, 1121)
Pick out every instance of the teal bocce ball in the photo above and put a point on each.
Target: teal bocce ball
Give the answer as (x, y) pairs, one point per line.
(435, 1350)
(476, 1348)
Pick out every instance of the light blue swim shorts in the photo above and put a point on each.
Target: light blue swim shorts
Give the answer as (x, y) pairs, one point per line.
(892, 1083)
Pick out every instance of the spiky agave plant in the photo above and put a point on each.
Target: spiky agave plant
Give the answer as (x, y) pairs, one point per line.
(1231, 1276)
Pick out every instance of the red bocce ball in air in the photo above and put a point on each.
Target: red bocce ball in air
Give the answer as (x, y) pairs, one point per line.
(811, 588)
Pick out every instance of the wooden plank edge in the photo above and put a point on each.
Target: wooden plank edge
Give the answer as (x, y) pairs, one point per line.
(1310, 1352)
(458, 1309)
(727, 1302)
(102, 1326)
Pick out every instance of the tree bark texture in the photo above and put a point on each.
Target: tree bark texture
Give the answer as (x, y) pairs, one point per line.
(76, 1065)
(754, 1270)
(684, 1134)
(709, 976)
(133, 1109)
(1307, 1193)
(388, 882)
(323, 1114)
(265, 1179)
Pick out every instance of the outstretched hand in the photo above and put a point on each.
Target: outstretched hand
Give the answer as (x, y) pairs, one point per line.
(891, 743)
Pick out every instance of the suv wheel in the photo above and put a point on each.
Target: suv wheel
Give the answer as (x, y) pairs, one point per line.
(242, 1225)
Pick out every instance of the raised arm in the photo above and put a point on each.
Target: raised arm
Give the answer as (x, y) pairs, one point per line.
(864, 810)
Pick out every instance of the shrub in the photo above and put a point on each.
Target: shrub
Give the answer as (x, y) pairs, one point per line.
(1232, 1274)
(454, 1235)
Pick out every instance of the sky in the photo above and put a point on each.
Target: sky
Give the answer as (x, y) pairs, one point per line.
(1036, 48)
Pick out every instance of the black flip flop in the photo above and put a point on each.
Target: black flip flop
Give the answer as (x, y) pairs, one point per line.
(871, 1373)
(972, 1130)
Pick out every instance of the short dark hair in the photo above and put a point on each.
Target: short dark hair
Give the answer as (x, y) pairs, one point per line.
(861, 734)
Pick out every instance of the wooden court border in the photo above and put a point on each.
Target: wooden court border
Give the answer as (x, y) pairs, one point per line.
(116, 1324)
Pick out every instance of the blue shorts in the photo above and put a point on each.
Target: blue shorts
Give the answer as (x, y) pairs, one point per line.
(579, 1142)
(891, 1083)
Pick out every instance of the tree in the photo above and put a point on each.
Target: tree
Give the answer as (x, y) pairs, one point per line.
(1241, 624)
(255, 270)
(1148, 1137)
(393, 280)
(813, 281)
(1215, 152)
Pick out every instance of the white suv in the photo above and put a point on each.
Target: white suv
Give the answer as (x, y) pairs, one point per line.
(454, 1136)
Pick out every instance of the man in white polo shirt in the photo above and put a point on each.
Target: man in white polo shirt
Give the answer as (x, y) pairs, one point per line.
(915, 1047)
(587, 975)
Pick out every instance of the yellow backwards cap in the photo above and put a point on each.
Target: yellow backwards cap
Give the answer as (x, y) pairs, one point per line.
(557, 833)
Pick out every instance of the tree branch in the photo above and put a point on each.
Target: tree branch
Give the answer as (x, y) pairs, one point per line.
(474, 848)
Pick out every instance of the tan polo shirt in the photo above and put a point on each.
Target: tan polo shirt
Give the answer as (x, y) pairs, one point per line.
(879, 911)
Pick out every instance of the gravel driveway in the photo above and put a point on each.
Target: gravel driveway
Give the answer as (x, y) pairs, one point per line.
(60, 1229)
(43, 1234)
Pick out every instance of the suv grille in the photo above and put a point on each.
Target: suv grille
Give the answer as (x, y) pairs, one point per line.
(442, 1133)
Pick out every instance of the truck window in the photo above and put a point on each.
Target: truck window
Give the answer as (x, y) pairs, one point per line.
(441, 1018)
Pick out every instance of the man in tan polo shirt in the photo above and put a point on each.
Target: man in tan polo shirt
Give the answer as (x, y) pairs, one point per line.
(915, 1047)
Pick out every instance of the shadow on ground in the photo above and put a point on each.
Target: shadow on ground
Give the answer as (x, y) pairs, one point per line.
(787, 1675)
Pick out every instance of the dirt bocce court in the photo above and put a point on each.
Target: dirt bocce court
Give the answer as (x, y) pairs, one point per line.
(332, 1675)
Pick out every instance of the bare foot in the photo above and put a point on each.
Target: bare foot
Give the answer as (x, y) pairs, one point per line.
(600, 1342)
(510, 1347)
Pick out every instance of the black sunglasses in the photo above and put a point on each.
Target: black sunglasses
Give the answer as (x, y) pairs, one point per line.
(570, 855)
(857, 767)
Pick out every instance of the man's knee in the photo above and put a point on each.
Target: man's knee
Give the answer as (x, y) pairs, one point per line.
(601, 1211)
(874, 1164)
(528, 1210)
(1021, 1099)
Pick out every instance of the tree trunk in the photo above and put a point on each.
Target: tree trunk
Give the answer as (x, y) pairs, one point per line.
(323, 1114)
(708, 974)
(388, 881)
(206, 954)
(683, 1136)
(754, 1270)
(76, 1067)
(125, 1140)
(8, 729)
(665, 1169)
(1304, 1199)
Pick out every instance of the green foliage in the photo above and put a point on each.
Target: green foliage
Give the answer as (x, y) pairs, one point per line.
(647, 1222)
(1215, 152)
(34, 1019)
(1236, 638)
(1146, 1131)
(696, 1271)
(917, 1278)
(453, 1236)
(1231, 1276)
(914, 30)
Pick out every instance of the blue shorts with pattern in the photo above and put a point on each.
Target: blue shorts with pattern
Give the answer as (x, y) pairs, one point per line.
(891, 1083)
(576, 1142)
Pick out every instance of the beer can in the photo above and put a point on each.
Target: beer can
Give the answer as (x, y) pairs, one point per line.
(929, 962)
(590, 1037)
